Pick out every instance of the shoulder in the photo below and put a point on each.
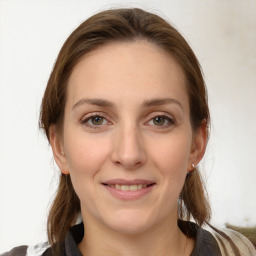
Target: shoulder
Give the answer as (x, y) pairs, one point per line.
(19, 251)
(34, 250)
(232, 243)
(211, 241)
(205, 243)
(66, 247)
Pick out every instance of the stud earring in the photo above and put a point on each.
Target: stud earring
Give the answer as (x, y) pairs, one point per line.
(190, 172)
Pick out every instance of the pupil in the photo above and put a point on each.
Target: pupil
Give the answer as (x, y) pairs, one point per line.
(97, 120)
(158, 120)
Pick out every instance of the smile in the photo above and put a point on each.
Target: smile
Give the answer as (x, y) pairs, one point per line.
(129, 190)
(129, 187)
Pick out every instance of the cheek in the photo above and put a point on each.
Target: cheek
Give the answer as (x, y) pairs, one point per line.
(85, 157)
(85, 154)
(171, 153)
(170, 156)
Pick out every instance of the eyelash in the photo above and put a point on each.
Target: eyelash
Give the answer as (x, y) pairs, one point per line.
(170, 121)
(94, 126)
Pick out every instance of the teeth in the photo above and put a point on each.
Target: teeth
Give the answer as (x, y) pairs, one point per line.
(133, 187)
(124, 188)
(129, 187)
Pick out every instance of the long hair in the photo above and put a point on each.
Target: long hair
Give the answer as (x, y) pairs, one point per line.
(123, 25)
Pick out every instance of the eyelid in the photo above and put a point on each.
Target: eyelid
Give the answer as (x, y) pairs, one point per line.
(92, 114)
(84, 120)
(164, 115)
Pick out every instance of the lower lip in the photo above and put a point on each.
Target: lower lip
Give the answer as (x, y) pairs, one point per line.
(129, 195)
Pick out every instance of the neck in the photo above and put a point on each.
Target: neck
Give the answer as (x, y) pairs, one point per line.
(164, 239)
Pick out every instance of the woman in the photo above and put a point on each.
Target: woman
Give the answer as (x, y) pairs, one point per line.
(125, 111)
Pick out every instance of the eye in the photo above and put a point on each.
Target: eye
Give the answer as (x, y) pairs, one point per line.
(159, 120)
(94, 121)
(162, 121)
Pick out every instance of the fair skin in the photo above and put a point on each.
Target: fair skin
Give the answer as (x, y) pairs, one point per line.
(127, 127)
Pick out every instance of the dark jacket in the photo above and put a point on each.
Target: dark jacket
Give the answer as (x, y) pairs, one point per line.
(207, 243)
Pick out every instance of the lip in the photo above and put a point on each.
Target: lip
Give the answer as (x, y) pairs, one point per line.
(129, 195)
(128, 182)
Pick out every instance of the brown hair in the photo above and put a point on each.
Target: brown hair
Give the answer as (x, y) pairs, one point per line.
(102, 28)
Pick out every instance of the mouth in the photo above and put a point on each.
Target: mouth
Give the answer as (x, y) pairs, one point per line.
(129, 190)
(134, 187)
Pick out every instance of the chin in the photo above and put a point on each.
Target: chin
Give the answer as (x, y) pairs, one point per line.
(129, 229)
(128, 223)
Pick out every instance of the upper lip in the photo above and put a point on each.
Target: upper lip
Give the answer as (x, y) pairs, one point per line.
(128, 182)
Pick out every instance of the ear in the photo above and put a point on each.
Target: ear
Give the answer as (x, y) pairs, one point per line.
(198, 146)
(58, 149)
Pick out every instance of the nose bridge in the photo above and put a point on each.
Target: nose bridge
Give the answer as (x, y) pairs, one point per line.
(128, 146)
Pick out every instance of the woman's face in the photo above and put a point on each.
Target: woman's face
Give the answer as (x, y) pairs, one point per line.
(127, 138)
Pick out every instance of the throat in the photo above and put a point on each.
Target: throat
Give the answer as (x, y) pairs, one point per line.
(136, 244)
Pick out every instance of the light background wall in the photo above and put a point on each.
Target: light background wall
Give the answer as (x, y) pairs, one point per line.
(223, 36)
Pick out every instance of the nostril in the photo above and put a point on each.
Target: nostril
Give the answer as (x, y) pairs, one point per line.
(128, 152)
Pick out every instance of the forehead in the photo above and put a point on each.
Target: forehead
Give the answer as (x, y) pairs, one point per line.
(122, 70)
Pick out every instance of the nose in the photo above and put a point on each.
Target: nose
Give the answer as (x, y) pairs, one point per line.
(128, 148)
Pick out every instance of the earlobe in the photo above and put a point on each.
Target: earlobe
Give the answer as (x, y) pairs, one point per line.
(198, 146)
(57, 149)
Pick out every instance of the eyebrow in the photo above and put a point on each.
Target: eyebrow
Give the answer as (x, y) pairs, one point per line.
(161, 101)
(96, 102)
(147, 103)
